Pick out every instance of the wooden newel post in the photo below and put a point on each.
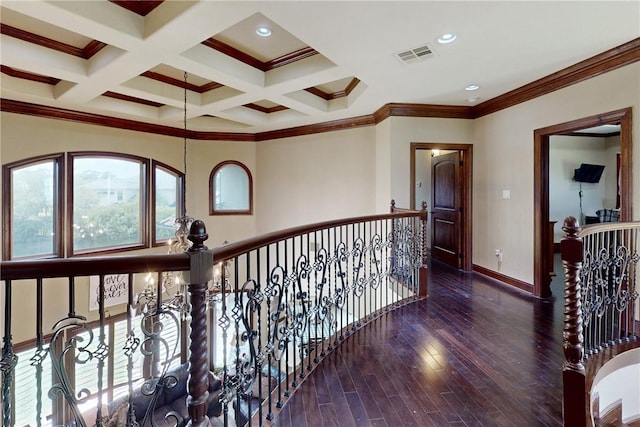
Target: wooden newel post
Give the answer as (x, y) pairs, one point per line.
(200, 273)
(573, 372)
(424, 215)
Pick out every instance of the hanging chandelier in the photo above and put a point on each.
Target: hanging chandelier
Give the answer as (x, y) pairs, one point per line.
(173, 283)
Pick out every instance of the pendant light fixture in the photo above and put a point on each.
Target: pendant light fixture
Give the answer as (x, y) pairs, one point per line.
(173, 283)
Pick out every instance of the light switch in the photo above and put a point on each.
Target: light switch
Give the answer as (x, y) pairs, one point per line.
(506, 194)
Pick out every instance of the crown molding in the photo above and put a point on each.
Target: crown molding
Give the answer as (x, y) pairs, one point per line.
(422, 110)
(593, 135)
(128, 98)
(341, 124)
(93, 47)
(19, 74)
(142, 8)
(181, 83)
(609, 60)
(266, 110)
(335, 95)
(290, 58)
(26, 108)
(241, 56)
(604, 62)
(87, 52)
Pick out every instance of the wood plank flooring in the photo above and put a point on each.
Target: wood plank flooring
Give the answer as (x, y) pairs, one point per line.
(475, 353)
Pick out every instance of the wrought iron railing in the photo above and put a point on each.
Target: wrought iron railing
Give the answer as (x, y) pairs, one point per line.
(251, 318)
(601, 300)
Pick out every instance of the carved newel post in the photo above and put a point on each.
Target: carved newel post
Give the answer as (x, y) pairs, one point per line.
(200, 273)
(573, 372)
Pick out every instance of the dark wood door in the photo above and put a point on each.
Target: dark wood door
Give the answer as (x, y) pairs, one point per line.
(446, 202)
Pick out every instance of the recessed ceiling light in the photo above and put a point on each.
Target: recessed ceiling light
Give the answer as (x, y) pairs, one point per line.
(472, 87)
(473, 99)
(263, 31)
(446, 38)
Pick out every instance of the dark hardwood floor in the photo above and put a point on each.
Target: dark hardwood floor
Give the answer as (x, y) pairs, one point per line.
(475, 353)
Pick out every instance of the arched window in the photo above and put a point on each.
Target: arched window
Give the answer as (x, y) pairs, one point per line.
(113, 204)
(32, 206)
(167, 199)
(109, 202)
(230, 189)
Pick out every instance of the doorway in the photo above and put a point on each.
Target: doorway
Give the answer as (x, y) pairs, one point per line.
(463, 223)
(542, 258)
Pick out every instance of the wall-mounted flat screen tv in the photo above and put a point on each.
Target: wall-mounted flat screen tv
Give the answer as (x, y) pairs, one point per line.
(588, 173)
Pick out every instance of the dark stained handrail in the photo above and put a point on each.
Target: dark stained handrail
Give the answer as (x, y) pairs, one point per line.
(406, 262)
(89, 266)
(232, 250)
(85, 266)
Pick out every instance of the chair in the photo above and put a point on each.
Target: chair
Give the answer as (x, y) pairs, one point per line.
(608, 215)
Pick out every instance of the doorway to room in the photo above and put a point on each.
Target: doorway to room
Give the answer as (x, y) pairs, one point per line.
(543, 243)
(441, 176)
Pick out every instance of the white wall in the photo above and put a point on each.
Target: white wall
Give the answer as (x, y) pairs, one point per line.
(566, 153)
(612, 149)
(614, 385)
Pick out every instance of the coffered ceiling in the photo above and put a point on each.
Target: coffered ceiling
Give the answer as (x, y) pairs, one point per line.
(324, 60)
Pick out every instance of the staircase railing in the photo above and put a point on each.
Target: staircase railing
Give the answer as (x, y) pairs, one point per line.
(601, 305)
(247, 322)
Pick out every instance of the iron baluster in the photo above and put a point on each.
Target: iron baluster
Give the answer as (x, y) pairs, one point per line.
(131, 345)
(40, 354)
(311, 309)
(261, 355)
(9, 359)
(224, 323)
(102, 351)
(269, 344)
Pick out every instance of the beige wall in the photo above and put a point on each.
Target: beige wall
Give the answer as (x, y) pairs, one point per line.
(203, 156)
(315, 178)
(383, 166)
(26, 136)
(355, 172)
(503, 159)
(404, 131)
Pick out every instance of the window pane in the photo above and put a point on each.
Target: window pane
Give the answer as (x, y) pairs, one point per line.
(232, 188)
(27, 392)
(166, 188)
(106, 202)
(33, 216)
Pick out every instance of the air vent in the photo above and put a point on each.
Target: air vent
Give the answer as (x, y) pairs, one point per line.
(416, 54)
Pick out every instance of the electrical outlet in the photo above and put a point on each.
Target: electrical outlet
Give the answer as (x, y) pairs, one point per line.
(497, 252)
